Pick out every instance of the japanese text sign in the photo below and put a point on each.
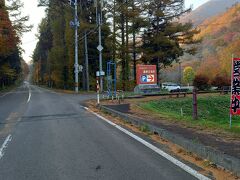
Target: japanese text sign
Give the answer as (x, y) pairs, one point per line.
(235, 88)
(146, 74)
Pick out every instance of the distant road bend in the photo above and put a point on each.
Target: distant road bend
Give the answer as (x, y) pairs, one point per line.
(49, 136)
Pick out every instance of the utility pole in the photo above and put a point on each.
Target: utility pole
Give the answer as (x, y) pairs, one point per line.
(86, 62)
(100, 48)
(75, 24)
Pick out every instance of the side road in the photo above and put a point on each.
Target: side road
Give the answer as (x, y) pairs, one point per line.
(229, 161)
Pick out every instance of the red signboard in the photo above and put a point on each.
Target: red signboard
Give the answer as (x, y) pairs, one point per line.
(146, 74)
(235, 87)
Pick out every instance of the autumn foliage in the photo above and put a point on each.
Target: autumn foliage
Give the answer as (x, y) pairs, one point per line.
(188, 74)
(8, 38)
(221, 39)
(201, 82)
(221, 81)
(10, 65)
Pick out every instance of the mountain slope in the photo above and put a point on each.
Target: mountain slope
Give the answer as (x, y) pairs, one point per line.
(208, 10)
(221, 39)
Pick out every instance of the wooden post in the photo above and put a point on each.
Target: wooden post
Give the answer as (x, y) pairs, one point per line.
(195, 110)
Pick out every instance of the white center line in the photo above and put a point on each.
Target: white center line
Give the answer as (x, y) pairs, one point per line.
(4, 145)
(155, 149)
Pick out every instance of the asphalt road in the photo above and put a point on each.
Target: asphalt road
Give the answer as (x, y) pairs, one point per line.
(51, 137)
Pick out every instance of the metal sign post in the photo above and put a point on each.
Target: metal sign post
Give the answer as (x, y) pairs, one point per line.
(111, 79)
(230, 114)
(235, 89)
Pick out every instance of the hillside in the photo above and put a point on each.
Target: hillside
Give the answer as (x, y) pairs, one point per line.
(220, 39)
(208, 10)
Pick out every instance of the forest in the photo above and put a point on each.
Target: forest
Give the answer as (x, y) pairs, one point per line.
(133, 32)
(12, 26)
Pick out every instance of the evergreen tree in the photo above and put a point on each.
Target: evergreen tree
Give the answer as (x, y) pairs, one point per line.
(131, 29)
(164, 37)
(60, 52)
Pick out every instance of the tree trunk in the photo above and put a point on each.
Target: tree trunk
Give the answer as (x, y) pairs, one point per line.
(114, 31)
(122, 49)
(127, 45)
(158, 72)
(134, 47)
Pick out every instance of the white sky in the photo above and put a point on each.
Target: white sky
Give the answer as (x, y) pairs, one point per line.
(29, 39)
(36, 14)
(195, 3)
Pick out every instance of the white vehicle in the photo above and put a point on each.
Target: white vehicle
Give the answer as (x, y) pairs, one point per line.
(170, 86)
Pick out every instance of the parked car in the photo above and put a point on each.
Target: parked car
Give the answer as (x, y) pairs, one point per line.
(170, 86)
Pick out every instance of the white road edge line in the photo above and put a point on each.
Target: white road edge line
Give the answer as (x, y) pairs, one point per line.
(4, 145)
(29, 95)
(6, 94)
(154, 148)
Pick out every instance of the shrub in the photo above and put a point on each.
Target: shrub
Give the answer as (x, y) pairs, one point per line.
(188, 75)
(201, 82)
(221, 80)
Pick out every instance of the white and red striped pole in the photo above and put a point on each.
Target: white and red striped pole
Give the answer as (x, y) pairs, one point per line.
(98, 91)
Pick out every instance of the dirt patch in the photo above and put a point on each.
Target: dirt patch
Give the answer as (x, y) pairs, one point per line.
(207, 168)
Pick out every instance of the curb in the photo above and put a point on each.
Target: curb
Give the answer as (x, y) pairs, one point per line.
(221, 159)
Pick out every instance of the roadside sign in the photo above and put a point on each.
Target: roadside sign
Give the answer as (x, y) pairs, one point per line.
(99, 48)
(100, 74)
(235, 87)
(80, 68)
(147, 78)
(146, 74)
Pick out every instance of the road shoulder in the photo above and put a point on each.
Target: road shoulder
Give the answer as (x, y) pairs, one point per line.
(207, 166)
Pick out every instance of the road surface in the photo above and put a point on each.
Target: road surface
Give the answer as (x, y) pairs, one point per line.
(49, 136)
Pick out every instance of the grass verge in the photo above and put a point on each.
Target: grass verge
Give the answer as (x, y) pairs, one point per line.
(213, 111)
(11, 87)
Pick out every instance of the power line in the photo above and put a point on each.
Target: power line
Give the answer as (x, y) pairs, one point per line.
(90, 32)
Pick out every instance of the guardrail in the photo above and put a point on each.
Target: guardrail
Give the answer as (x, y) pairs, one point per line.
(221, 159)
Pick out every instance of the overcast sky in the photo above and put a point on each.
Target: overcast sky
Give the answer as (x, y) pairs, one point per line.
(36, 14)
